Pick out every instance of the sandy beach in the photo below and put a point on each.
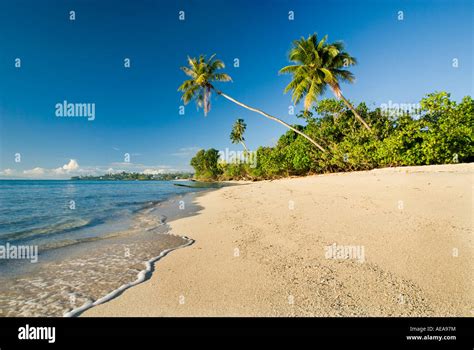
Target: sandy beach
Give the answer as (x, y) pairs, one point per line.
(261, 249)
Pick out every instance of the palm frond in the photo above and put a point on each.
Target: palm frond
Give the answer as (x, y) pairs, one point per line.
(221, 77)
(186, 85)
(189, 72)
(189, 94)
(300, 90)
(289, 69)
(317, 65)
(321, 43)
(203, 72)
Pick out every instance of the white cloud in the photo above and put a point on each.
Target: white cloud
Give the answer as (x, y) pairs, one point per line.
(154, 171)
(72, 168)
(186, 152)
(7, 172)
(110, 171)
(126, 164)
(72, 165)
(67, 168)
(142, 168)
(34, 171)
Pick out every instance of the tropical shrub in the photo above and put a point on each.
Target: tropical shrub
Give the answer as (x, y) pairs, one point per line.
(440, 132)
(205, 164)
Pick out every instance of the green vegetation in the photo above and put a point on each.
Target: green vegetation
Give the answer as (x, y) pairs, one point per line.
(440, 132)
(136, 177)
(205, 163)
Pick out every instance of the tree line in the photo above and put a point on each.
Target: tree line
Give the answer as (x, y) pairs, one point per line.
(336, 135)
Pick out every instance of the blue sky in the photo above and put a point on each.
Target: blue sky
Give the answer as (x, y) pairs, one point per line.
(81, 61)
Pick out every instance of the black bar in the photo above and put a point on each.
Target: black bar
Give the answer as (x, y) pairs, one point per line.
(337, 331)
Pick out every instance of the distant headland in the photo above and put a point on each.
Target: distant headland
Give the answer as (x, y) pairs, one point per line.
(124, 176)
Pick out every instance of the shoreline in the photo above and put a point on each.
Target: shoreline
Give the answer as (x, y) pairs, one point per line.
(74, 277)
(147, 272)
(254, 255)
(141, 277)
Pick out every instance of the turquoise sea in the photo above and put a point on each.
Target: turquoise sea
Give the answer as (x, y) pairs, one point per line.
(93, 238)
(50, 211)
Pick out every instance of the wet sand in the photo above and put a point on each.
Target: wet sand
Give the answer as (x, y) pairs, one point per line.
(72, 278)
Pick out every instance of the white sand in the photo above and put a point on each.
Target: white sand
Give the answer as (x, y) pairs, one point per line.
(260, 249)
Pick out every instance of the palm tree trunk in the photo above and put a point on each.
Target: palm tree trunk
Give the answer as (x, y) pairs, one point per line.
(266, 115)
(358, 117)
(245, 147)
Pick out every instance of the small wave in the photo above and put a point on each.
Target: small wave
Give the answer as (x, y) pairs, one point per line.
(129, 204)
(141, 277)
(59, 227)
(69, 242)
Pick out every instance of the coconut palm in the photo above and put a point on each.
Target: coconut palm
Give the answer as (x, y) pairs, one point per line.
(318, 65)
(237, 133)
(203, 72)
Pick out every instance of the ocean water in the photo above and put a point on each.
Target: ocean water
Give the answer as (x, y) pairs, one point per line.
(42, 212)
(93, 238)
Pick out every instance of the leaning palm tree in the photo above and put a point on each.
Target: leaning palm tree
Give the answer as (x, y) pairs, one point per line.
(203, 73)
(237, 133)
(318, 65)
